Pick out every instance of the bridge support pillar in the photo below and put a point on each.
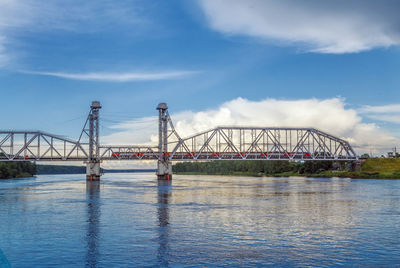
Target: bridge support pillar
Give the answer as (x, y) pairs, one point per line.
(93, 171)
(164, 170)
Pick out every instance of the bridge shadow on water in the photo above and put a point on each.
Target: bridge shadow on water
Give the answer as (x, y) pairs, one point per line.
(164, 192)
(93, 221)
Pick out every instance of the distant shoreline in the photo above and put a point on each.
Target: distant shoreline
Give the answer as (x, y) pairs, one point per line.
(373, 168)
(351, 175)
(60, 169)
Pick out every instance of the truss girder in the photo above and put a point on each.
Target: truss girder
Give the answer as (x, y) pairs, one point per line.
(36, 145)
(240, 143)
(221, 143)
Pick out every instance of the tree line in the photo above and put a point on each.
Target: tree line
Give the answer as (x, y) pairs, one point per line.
(17, 169)
(255, 167)
(58, 169)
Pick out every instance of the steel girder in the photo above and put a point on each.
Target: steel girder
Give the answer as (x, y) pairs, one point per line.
(37, 145)
(124, 152)
(221, 143)
(252, 143)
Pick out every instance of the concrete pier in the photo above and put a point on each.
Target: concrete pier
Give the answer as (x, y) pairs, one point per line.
(93, 171)
(164, 170)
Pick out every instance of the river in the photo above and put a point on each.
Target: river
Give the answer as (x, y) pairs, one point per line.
(131, 220)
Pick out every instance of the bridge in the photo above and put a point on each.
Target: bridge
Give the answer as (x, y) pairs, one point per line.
(221, 143)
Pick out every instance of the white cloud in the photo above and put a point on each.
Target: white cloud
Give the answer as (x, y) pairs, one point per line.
(75, 15)
(329, 115)
(342, 26)
(385, 118)
(136, 131)
(386, 113)
(3, 56)
(21, 18)
(391, 108)
(117, 77)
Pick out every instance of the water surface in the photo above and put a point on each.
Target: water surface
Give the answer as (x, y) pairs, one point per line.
(130, 220)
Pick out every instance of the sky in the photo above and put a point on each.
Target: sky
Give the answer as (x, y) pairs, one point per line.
(332, 65)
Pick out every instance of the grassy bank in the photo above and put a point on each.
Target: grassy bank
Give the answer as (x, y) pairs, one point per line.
(381, 168)
(376, 168)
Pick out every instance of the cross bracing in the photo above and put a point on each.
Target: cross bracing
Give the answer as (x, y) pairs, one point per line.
(221, 143)
(253, 143)
(124, 152)
(37, 145)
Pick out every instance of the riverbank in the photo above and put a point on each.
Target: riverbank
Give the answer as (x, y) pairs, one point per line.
(374, 168)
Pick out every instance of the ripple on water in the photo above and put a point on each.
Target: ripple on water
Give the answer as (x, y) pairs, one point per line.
(134, 220)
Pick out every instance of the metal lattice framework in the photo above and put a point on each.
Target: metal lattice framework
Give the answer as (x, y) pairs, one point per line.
(37, 145)
(248, 143)
(221, 143)
(123, 152)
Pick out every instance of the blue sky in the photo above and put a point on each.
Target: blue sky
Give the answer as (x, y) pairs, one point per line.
(198, 56)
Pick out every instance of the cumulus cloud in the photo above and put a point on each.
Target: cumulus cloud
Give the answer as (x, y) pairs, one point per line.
(117, 77)
(329, 115)
(341, 26)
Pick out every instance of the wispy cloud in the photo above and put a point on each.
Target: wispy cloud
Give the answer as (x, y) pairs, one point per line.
(21, 17)
(342, 26)
(386, 113)
(391, 108)
(117, 77)
(3, 55)
(385, 118)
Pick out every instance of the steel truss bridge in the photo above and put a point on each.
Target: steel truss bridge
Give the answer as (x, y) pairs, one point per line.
(221, 143)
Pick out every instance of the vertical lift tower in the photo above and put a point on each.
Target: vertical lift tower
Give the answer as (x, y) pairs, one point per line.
(164, 166)
(93, 171)
(93, 164)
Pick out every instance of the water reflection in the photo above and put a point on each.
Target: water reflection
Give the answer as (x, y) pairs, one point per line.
(204, 221)
(93, 232)
(164, 191)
